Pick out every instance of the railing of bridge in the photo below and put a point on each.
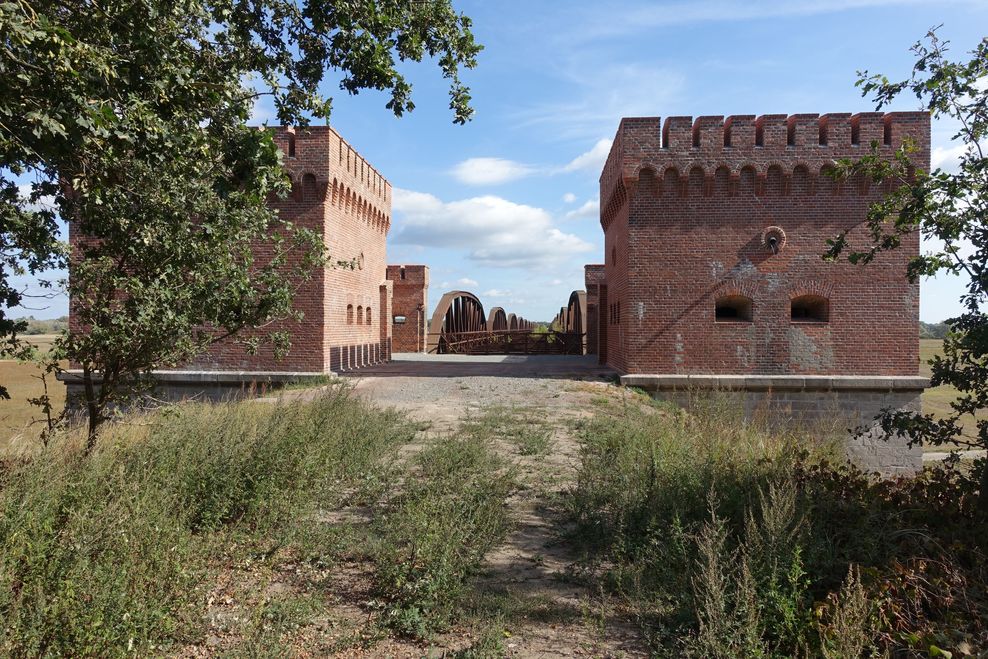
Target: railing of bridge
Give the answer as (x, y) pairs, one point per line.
(510, 342)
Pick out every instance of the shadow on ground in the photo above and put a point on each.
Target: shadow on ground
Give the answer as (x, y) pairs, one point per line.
(563, 367)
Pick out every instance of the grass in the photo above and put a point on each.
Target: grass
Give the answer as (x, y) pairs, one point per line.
(114, 554)
(247, 515)
(524, 427)
(437, 530)
(729, 540)
(936, 400)
(17, 415)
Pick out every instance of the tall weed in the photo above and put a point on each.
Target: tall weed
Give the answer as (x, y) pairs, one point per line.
(435, 534)
(108, 555)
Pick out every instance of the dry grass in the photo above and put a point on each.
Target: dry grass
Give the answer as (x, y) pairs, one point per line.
(937, 400)
(17, 414)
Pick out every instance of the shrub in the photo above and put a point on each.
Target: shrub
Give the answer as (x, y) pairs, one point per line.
(435, 534)
(722, 535)
(108, 555)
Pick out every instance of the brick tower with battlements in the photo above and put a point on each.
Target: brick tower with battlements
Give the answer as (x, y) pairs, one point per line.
(714, 278)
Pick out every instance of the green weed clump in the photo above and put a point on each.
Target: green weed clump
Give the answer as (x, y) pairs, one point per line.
(433, 537)
(109, 555)
(524, 427)
(730, 539)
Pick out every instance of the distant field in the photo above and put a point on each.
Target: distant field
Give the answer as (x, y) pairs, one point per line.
(16, 414)
(937, 400)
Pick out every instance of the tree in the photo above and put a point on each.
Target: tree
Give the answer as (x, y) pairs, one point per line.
(130, 116)
(951, 209)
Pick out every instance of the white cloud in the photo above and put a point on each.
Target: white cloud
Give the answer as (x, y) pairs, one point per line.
(589, 209)
(495, 292)
(466, 282)
(569, 198)
(490, 171)
(597, 97)
(593, 159)
(45, 202)
(947, 158)
(642, 17)
(495, 231)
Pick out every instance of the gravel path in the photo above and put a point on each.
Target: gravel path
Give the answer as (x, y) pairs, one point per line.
(532, 570)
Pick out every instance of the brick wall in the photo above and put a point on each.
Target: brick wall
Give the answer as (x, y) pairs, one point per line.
(345, 323)
(685, 207)
(410, 300)
(593, 278)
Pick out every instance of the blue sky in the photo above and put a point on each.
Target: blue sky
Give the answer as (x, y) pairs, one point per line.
(507, 205)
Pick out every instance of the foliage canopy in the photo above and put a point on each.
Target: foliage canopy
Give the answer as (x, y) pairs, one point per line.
(128, 118)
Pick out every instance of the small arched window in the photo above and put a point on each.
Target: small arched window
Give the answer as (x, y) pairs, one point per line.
(810, 309)
(746, 181)
(349, 314)
(800, 180)
(696, 182)
(647, 183)
(309, 187)
(360, 315)
(722, 181)
(774, 181)
(291, 146)
(736, 308)
(614, 256)
(367, 316)
(670, 183)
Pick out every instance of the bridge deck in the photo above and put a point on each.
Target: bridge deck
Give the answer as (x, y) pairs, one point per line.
(511, 366)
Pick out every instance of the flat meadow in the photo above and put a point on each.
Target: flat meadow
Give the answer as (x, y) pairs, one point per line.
(17, 415)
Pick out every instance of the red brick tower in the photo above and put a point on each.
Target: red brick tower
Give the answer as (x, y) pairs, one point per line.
(410, 307)
(714, 232)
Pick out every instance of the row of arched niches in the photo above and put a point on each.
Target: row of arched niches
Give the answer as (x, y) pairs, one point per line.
(774, 180)
(306, 189)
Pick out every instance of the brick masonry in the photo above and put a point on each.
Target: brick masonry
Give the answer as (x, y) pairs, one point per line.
(689, 209)
(346, 309)
(410, 302)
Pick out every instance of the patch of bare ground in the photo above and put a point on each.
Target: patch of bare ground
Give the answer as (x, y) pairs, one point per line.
(314, 594)
(528, 586)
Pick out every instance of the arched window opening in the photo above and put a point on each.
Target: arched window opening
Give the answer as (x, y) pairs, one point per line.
(774, 181)
(810, 309)
(614, 256)
(309, 187)
(746, 181)
(367, 316)
(735, 308)
(697, 178)
(360, 315)
(828, 182)
(646, 182)
(349, 314)
(670, 183)
(291, 146)
(800, 180)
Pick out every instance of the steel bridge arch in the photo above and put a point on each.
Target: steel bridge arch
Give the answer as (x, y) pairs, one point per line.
(497, 321)
(457, 311)
(576, 312)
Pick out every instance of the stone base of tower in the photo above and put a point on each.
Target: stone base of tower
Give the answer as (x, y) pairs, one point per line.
(854, 401)
(173, 386)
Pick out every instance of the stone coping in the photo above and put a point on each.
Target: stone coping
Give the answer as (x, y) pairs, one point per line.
(778, 382)
(74, 376)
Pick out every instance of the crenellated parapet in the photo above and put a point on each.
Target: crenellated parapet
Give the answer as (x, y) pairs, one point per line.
(748, 154)
(325, 169)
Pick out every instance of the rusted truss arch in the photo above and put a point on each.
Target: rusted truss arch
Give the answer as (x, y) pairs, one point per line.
(497, 321)
(456, 313)
(512, 321)
(576, 312)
